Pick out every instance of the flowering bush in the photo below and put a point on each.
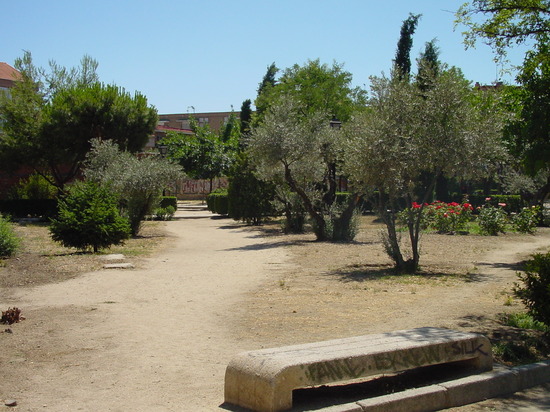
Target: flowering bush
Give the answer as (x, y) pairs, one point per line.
(448, 217)
(440, 216)
(526, 220)
(492, 220)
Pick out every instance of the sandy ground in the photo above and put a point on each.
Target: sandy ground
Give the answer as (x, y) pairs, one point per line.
(158, 337)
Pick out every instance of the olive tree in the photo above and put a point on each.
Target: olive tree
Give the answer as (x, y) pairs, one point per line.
(139, 181)
(408, 133)
(298, 150)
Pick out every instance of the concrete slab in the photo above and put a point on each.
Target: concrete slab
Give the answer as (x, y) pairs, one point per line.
(118, 266)
(113, 257)
(428, 398)
(476, 388)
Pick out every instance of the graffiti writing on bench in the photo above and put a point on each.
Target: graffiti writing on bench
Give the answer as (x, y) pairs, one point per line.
(334, 371)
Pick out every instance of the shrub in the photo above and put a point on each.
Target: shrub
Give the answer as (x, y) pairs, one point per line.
(535, 292)
(524, 321)
(217, 201)
(166, 201)
(249, 198)
(447, 217)
(35, 186)
(9, 242)
(492, 220)
(440, 216)
(526, 220)
(164, 213)
(89, 218)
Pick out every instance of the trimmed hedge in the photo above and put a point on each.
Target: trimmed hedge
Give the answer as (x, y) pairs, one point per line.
(19, 208)
(218, 202)
(166, 201)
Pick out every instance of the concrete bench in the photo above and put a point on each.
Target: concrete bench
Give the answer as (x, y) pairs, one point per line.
(263, 380)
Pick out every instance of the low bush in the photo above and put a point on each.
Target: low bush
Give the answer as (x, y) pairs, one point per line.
(527, 220)
(492, 220)
(217, 201)
(9, 242)
(164, 213)
(524, 321)
(89, 218)
(35, 186)
(166, 201)
(535, 291)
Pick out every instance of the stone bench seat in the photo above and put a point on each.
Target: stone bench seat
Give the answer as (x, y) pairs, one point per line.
(263, 380)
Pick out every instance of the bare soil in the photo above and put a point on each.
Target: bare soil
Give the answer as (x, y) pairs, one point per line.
(158, 337)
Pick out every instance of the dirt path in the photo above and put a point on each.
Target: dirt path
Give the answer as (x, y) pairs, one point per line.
(152, 339)
(158, 338)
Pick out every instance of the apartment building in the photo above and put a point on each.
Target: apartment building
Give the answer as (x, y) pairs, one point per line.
(181, 120)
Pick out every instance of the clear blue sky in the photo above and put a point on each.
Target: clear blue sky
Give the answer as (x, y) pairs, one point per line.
(211, 54)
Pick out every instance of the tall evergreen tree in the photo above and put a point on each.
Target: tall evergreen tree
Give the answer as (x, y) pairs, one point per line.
(246, 116)
(402, 62)
(267, 84)
(429, 65)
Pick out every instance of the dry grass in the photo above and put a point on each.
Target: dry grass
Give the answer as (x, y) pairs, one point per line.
(41, 260)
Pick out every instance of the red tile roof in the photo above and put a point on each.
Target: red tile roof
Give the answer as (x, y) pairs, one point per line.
(7, 72)
(184, 131)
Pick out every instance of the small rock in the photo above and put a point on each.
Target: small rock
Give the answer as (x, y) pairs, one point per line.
(8, 330)
(10, 402)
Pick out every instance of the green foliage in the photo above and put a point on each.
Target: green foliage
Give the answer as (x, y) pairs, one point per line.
(406, 135)
(525, 321)
(245, 117)
(514, 203)
(138, 181)
(492, 220)
(535, 289)
(35, 186)
(316, 88)
(89, 218)
(50, 119)
(204, 155)
(402, 60)
(166, 201)
(293, 208)
(9, 242)
(164, 213)
(250, 198)
(262, 101)
(297, 152)
(507, 23)
(218, 202)
(527, 220)
(439, 216)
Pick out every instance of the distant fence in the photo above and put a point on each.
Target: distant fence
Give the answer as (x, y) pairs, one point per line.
(195, 188)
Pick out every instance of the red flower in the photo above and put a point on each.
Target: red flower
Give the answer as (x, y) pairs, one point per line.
(416, 205)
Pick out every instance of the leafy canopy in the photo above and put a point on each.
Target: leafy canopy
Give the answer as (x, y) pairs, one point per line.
(51, 118)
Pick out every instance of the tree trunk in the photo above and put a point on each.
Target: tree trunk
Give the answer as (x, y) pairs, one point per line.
(342, 224)
(320, 225)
